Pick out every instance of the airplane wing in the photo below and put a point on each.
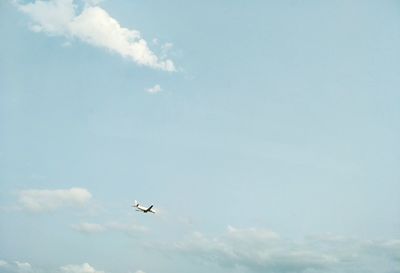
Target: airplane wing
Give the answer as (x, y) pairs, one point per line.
(149, 208)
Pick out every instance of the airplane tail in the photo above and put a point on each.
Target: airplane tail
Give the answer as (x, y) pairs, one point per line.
(136, 203)
(149, 208)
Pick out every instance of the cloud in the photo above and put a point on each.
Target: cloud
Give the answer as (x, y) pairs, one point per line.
(155, 89)
(23, 266)
(90, 228)
(93, 25)
(16, 266)
(128, 228)
(390, 248)
(256, 249)
(50, 200)
(261, 250)
(84, 268)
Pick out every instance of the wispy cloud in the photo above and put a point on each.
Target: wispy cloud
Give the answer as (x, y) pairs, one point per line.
(94, 26)
(88, 227)
(128, 228)
(41, 200)
(261, 250)
(155, 89)
(91, 228)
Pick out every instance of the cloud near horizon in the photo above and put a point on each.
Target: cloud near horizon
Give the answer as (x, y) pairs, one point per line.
(43, 200)
(93, 25)
(16, 266)
(25, 267)
(84, 268)
(261, 250)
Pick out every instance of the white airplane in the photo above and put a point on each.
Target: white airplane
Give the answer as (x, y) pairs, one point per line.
(143, 209)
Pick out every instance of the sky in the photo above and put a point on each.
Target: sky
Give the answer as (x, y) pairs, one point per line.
(265, 134)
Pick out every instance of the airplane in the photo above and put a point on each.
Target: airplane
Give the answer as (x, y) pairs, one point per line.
(143, 209)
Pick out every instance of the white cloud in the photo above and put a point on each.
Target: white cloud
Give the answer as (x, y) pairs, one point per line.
(390, 248)
(261, 250)
(93, 26)
(155, 89)
(84, 268)
(23, 266)
(90, 228)
(167, 46)
(256, 249)
(16, 266)
(251, 234)
(165, 49)
(49, 200)
(128, 228)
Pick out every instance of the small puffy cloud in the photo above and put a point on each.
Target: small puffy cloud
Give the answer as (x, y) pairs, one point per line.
(167, 46)
(261, 250)
(84, 268)
(155, 89)
(165, 49)
(49, 200)
(94, 26)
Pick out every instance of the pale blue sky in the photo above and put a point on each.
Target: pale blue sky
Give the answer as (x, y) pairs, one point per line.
(281, 118)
